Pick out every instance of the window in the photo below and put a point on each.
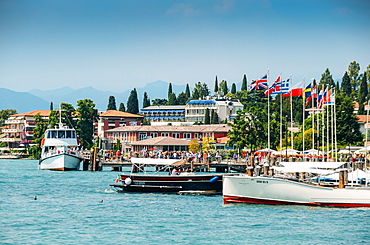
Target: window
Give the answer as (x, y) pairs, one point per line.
(153, 135)
(176, 135)
(164, 134)
(187, 136)
(142, 136)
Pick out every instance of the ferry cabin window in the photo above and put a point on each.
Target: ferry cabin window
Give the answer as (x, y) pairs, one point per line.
(68, 134)
(53, 134)
(61, 134)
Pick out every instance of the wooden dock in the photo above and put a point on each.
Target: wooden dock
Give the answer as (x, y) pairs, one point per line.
(94, 162)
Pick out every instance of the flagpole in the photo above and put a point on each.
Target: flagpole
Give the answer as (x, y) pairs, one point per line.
(313, 117)
(281, 113)
(332, 121)
(291, 113)
(303, 112)
(318, 121)
(335, 129)
(327, 124)
(268, 109)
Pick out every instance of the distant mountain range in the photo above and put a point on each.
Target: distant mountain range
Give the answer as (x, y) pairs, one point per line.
(37, 99)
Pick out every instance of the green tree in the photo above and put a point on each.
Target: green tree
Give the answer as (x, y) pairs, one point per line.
(158, 102)
(200, 91)
(362, 95)
(187, 92)
(346, 85)
(182, 99)
(172, 99)
(233, 88)
(146, 100)
(353, 71)
(67, 116)
(112, 103)
(214, 117)
(133, 102)
(169, 90)
(122, 107)
(348, 129)
(87, 116)
(216, 86)
(4, 115)
(244, 84)
(207, 117)
(38, 135)
(223, 87)
(327, 79)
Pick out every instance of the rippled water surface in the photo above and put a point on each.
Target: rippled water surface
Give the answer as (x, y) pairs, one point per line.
(81, 208)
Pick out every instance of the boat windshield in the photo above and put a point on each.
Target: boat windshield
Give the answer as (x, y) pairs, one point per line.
(61, 134)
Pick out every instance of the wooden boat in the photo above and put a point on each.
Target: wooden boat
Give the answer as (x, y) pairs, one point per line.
(288, 191)
(182, 183)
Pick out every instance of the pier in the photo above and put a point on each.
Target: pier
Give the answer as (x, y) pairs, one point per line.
(95, 162)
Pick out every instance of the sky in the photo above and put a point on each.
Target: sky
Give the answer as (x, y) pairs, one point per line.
(117, 45)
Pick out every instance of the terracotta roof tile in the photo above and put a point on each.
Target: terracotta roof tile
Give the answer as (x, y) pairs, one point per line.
(114, 113)
(43, 113)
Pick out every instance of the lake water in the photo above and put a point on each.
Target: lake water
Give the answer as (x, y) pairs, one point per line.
(68, 210)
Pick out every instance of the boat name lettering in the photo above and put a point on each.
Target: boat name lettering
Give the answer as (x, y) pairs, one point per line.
(262, 181)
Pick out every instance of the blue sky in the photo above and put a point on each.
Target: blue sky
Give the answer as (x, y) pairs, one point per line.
(117, 45)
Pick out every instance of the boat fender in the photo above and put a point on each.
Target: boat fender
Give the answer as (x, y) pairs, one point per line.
(128, 181)
(214, 179)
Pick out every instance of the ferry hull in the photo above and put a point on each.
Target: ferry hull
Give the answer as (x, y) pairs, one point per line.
(274, 191)
(60, 162)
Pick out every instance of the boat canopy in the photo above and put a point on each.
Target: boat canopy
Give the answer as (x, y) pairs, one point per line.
(154, 161)
(319, 165)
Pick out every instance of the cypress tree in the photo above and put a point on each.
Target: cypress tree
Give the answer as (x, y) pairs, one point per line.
(207, 118)
(244, 84)
(112, 103)
(214, 117)
(216, 86)
(233, 88)
(187, 91)
(146, 101)
(122, 107)
(224, 89)
(346, 85)
(133, 102)
(169, 91)
(362, 95)
(51, 106)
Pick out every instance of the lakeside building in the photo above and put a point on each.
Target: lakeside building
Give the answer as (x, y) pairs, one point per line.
(18, 131)
(164, 113)
(225, 108)
(130, 134)
(193, 111)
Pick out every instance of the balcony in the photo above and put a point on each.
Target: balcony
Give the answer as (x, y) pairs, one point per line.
(10, 140)
(12, 130)
(14, 121)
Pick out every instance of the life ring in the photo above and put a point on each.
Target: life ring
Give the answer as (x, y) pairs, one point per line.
(42, 142)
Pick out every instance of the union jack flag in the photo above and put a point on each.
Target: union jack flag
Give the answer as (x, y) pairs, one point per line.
(259, 84)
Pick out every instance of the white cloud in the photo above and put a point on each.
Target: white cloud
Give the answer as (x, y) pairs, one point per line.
(184, 9)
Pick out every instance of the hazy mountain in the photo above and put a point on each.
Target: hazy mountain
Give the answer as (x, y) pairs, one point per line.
(154, 90)
(21, 101)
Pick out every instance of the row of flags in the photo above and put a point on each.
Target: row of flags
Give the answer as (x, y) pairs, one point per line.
(324, 97)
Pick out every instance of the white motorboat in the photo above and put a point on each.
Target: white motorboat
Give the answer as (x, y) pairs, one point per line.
(289, 191)
(60, 150)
